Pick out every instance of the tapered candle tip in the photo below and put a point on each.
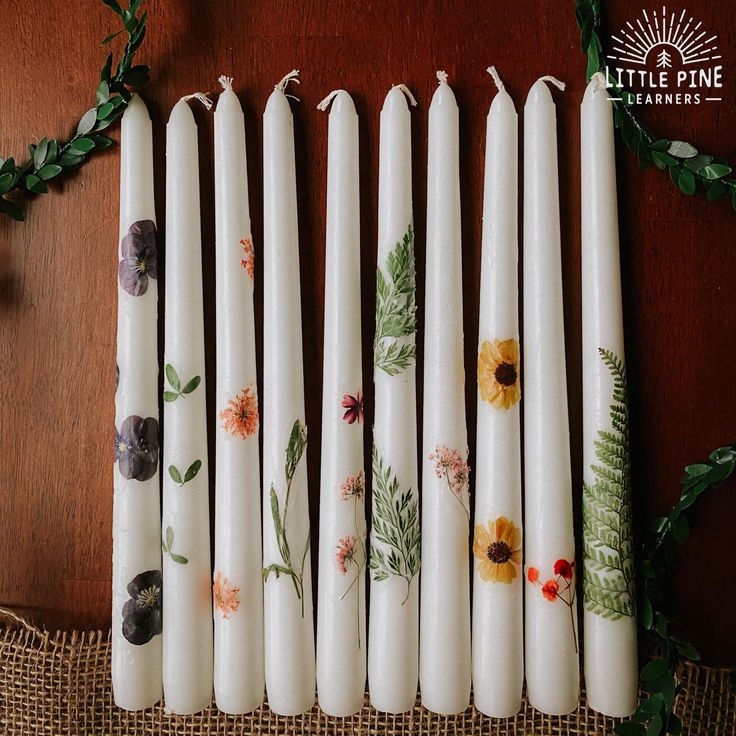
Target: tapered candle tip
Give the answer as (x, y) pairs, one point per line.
(201, 97)
(339, 98)
(597, 87)
(442, 77)
(407, 92)
(226, 82)
(492, 71)
(553, 80)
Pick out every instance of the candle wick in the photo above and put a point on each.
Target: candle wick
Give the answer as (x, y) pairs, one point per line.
(326, 102)
(407, 92)
(499, 84)
(226, 82)
(202, 97)
(442, 77)
(292, 76)
(553, 80)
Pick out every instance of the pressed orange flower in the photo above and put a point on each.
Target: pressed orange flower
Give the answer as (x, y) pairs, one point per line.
(240, 418)
(549, 590)
(498, 373)
(225, 596)
(249, 258)
(498, 549)
(533, 574)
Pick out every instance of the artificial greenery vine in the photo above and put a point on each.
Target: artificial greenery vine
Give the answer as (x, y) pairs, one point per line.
(50, 158)
(608, 554)
(689, 170)
(655, 715)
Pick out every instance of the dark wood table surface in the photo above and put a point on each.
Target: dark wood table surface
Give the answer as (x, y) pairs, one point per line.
(58, 270)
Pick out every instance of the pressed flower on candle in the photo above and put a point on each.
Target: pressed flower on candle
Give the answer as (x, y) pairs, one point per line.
(560, 588)
(240, 417)
(175, 389)
(498, 373)
(139, 257)
(249, 257)
(451, 466)
(353, 487)
(353, 406)
(136, 448)
(497, 548)
(142, 613)
(224, 595)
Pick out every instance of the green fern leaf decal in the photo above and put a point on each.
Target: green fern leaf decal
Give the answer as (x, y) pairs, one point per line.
(608, 554)
(396, 309)
(395, 526)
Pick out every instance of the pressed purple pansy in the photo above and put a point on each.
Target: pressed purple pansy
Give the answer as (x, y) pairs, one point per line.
(353, 406)
(142, 614)
(136, 448)
(139, 260)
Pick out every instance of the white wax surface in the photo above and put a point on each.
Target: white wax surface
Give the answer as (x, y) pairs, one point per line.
(552, 665)
(498, 639)
(611, 670)
(288, 621)
(341, 635)
(393, 636)
(187, 587)
(444, 659)
(136, 669)
(238, 666)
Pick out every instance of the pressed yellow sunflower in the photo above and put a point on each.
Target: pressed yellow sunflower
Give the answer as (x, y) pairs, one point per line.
(498, 549)
(498, 372)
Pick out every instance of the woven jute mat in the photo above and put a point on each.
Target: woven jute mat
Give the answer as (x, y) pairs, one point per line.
(60, 685)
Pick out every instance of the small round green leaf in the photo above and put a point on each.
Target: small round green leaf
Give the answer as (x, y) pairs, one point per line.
(682, 149)
(81, 146)
(172, 377)
(104, 110)
(715, 171)
(192, 471)
(169, 536)
(39, 155)
(175, 474)
(170, 396)
(34, 184)
(192, 385)
(87, 122)
(686, 181)
(6, 181)
(179, 558)
(49, 171)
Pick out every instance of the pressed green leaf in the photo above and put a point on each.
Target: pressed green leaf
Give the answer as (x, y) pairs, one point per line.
(682, 149)
(169, 536)
(192, 471)
(179, 558)
(192, 385)
(87, 122)
(172, 377)
(175, 474)
(49, 171)
(170, 396)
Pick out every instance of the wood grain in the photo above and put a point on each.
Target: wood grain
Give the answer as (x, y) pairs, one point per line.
(57, 271)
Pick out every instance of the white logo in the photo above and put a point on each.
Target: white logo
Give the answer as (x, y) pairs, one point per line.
(667, 58)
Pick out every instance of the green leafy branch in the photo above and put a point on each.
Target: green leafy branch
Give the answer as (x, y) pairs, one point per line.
(396, 309)
(655, 715)
(395, 525)
(166, 545)
(190, 474)
(608, 554)
(294, 452)
(689, 170)
(175, 386)
(49, 158)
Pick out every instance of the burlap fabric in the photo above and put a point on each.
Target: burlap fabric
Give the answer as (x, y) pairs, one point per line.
(59, 685)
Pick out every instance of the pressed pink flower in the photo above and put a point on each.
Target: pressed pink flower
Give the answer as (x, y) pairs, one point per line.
(450, 464)
(225, 596)
(345, 553)
(240, 418)
(353, 406)
(249, 257)
(353, 487)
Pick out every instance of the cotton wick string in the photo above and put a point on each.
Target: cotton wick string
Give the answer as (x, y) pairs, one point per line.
(553, 80)
(442, 77)
(407, 92)
(226, 82)
(326, 102)
(292, 76)
(201, 96)
(499, 84)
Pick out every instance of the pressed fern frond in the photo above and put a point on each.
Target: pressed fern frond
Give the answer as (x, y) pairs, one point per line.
(608, 559)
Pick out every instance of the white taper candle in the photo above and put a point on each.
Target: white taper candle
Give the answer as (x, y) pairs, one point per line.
(611, 670)
(341, 640)
(136, 556)
(498, 619)
(288, 623)
(550, 645)
(237, 581)
(444, 652)
(393, 636)
(186, 526)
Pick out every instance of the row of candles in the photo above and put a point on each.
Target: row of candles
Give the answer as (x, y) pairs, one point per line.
(524, 616)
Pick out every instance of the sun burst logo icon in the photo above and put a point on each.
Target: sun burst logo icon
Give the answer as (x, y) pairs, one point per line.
(667, 33)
